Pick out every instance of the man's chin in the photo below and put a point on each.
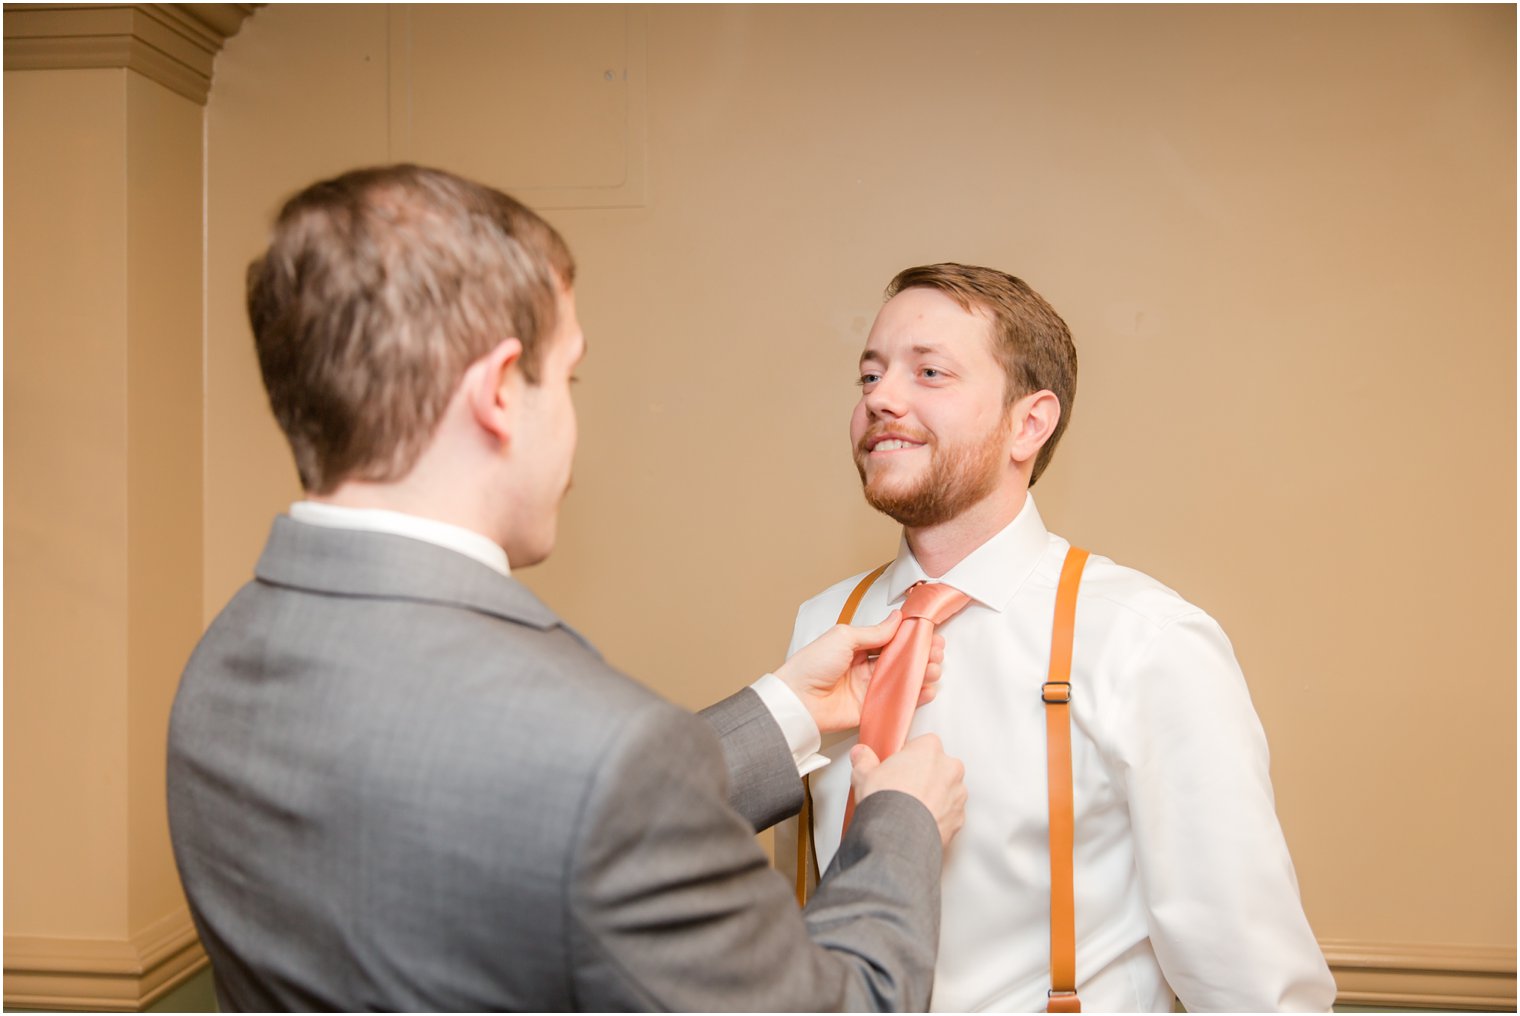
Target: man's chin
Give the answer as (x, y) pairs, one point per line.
(885, 487)
(902, 506)
(525, 553)
(892, 477)
(880, 493)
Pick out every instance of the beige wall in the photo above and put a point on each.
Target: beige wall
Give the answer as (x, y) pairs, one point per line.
(1283, 237)
(164, 457)
(103, 443)
(65, 503)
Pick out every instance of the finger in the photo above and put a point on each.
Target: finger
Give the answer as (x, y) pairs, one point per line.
(933, 671)
(863, 759)
(925, 742)
(930, 687)
(875, 635)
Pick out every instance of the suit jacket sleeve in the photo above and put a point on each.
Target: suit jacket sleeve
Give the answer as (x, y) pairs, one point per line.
(672, 904)
(763, 784)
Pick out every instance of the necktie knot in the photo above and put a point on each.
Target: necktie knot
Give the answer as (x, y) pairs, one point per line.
(934, 601)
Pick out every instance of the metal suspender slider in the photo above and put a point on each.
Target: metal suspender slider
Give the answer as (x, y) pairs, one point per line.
(1056, 692)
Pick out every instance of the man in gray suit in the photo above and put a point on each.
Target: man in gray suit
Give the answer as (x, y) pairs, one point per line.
(398, 781)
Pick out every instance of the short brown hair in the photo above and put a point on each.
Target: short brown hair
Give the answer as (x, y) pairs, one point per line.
(379, 288)
(1029, 337)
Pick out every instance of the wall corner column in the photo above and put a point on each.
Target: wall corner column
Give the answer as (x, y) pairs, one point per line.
(104, 423)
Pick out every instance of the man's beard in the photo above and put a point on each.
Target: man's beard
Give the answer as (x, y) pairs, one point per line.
(958, 477)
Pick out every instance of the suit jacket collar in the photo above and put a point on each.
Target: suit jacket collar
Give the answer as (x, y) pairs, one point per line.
(349, 562)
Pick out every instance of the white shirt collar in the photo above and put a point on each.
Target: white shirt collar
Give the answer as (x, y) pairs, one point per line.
(991, 573)
(378, 520)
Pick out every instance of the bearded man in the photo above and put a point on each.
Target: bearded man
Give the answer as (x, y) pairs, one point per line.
(1183, 883)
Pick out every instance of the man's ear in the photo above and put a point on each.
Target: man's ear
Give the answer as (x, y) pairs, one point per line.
(492, 386)
(1035, 417)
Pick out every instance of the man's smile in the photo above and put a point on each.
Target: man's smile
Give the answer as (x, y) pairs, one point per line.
(890, 442)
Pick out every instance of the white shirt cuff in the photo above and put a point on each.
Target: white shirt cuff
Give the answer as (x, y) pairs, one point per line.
(796, 723)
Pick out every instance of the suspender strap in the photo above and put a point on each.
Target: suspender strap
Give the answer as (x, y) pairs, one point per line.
(807, 856)
(807, 852)
(852, 602)
(1056, 694)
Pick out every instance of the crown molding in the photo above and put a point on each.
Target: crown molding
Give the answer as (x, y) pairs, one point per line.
(172, 44)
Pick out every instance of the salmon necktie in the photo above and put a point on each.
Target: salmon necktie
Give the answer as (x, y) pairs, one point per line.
(892, 695)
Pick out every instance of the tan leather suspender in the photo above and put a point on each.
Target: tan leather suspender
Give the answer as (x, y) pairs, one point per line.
(1056, 693)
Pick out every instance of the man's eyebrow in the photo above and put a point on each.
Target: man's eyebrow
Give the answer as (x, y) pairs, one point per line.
(922, 349)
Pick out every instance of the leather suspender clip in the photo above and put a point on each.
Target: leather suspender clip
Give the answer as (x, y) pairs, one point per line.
(1056, 692)
(1062, 1001)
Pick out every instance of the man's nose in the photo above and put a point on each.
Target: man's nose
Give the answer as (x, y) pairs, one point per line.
(886, 397)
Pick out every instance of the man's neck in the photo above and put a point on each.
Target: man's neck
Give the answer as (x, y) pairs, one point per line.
(938, 548)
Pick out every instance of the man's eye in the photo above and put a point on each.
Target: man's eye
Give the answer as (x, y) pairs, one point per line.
(932, 372)
(868, 379)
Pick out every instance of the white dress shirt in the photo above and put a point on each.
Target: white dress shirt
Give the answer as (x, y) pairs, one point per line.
(784, 705)
(1182, 873)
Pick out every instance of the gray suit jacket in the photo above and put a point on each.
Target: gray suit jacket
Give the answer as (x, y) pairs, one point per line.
(397, 781)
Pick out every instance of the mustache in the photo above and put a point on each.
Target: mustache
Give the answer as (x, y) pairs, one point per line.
(897, 430)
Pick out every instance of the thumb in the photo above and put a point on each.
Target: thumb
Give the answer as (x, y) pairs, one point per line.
(877, 635)
(863, 760)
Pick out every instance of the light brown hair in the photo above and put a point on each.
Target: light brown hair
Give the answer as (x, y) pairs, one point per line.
(1028, 337)
(379, 288)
